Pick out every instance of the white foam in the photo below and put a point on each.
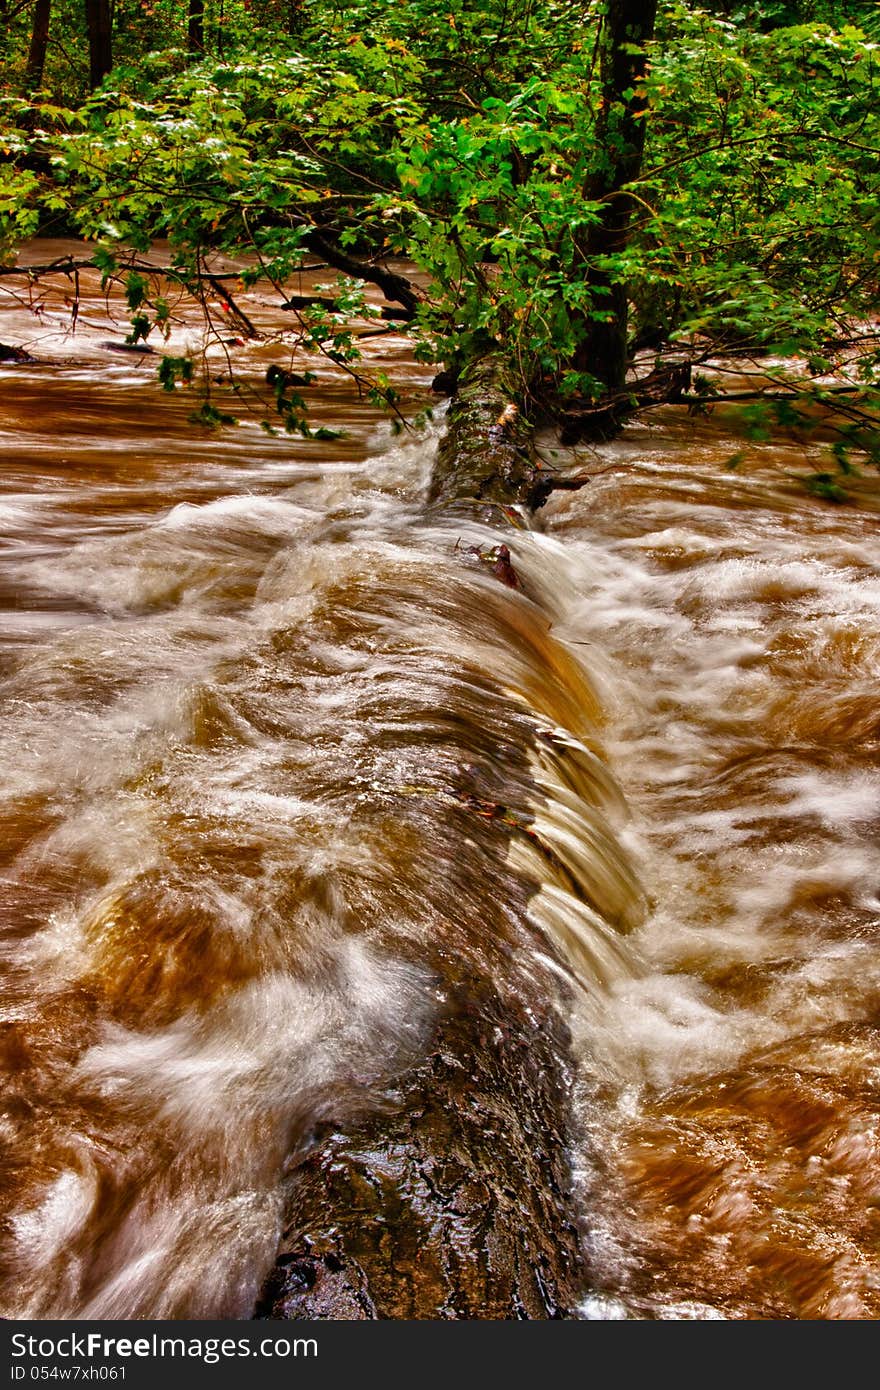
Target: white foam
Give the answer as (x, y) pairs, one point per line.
(274, 514)
(659, 1029)
(269, 1044)
(837, 800)
(57, 1219)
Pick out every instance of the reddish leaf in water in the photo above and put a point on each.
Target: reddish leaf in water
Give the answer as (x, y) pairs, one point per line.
(504, 570)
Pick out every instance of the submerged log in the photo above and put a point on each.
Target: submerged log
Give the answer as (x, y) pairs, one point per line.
(451, 1195)
(454, 1197)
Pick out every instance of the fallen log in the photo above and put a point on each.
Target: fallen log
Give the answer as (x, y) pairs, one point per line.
(454, 1198)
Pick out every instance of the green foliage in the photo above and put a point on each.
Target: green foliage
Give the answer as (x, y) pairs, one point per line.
(173, 370)
(19, 185)
(477, 142)
(825, 486)
(760, 187)
(233, 157)
(211, 417)
(493, 208)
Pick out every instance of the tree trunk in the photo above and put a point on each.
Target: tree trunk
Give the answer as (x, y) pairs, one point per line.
(195, 28)
(39, 42)
(100, 31)
(627, 26)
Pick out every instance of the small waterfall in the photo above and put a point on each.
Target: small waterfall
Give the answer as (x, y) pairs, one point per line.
(299, 747)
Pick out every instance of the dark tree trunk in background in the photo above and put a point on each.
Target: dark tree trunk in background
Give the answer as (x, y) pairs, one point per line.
(195, 28)
(39, 42)
(627, 26)
(100, 29)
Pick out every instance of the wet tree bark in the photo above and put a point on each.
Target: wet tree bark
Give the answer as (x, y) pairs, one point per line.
(458, 1204)
(485, 457)
(627, 27)
(195, 28)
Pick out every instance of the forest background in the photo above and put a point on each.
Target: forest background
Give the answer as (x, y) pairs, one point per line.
(601, 198)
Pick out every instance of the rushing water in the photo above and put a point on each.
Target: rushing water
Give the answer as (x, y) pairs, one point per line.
(248, 685)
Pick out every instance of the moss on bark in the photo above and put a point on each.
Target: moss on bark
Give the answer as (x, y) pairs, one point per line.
(485, 456)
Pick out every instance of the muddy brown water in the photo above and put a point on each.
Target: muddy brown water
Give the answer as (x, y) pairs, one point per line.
(242, 680)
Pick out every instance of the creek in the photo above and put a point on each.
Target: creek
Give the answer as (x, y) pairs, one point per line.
(263, 711)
